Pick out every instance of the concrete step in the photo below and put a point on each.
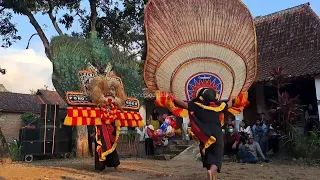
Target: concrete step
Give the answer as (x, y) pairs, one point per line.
(173, 152)
(164, 157)
(178, 147)
(180, 142)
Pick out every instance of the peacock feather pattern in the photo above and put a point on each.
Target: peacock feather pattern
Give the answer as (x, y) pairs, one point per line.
(193, 44)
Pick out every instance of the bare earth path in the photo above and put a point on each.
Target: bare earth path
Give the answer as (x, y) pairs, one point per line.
(140, 169)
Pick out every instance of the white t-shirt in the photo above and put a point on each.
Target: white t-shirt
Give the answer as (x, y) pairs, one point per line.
(144, 132)
(246, 130)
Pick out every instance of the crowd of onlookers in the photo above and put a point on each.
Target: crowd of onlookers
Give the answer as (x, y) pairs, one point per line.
(251, 142)
(248, 143)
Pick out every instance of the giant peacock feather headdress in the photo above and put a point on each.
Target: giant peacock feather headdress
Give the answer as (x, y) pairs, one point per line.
(192, 44)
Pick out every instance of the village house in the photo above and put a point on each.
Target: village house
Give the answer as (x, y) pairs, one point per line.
(289, 39)
(13, 105)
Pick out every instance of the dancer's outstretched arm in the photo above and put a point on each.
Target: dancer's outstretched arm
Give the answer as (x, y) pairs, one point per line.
(180, 103)
(230, 103)
(185, 105)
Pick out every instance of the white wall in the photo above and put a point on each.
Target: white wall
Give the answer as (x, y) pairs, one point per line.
(317, 84)
(143, 112)
(238, 119)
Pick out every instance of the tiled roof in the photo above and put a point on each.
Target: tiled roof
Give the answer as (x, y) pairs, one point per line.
(16, 102)
(21, 103)
(51, 97)
(291, 39)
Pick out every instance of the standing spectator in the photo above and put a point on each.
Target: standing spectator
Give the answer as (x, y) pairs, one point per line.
(309, 112)
(148, 142)
(249, 151)
(155, 119)
(263, 117)
(185, 123)
(232, 141)
(92, 139)
(149, 147)
(231, 120)
(259, 131)
(155, 114)
(273, 139)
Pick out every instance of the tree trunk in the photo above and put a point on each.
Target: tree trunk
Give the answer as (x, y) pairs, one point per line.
(82, 145)
(4, 150)
(94, 14)
(41, 34)
(53, 18)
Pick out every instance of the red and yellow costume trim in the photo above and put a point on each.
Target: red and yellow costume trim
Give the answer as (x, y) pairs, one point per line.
(165, 100)
(82, 116)
(240, 103)
(103, 154)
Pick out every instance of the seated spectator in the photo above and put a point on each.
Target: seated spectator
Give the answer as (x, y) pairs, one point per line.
(232, 141)
(250, 150)
(245, 128)
(244, 132)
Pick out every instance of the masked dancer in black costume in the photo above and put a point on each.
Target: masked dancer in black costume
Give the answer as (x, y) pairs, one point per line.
(206, 116)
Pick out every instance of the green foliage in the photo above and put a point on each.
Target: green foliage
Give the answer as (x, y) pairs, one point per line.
(128, 70)
(72, 54)
(121, 25)
(131, 134)
(29, 8)
(24, 6)
(21, 6)
(15, 151)
(285, 106)
(8, 31)
(28, 117)
(296, 143)
(305, 146)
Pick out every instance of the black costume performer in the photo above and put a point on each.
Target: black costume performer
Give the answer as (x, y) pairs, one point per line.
(205, 114)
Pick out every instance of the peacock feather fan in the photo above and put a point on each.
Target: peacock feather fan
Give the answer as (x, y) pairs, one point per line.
(192, 44)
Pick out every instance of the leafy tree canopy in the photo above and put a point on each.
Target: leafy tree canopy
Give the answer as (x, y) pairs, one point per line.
(118, 22)
(78, 52)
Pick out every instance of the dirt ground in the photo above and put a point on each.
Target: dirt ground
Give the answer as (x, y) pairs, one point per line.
(140, 169)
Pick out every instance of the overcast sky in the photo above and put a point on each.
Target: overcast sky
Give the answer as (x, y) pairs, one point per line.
(30, 69)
